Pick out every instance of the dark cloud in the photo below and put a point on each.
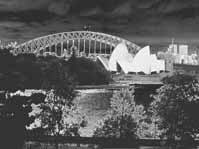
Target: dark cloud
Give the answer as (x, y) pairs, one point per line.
(55, 6)
(90, 7)
(59, 7)
(64, 6)
(21, 5)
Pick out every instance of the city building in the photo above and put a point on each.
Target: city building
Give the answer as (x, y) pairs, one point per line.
(180, 54)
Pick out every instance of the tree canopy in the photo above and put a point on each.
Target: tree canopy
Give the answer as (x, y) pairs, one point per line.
(31, 72)
(124, 117)
(177, 106)
(58, 118)
(88, 72)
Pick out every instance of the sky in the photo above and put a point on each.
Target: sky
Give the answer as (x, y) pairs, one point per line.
(141, 21)
(62, 7)
(56, 6)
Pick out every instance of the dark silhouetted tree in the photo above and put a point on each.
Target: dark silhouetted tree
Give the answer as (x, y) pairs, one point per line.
(177, 105)
(14, 118)
(88, 72)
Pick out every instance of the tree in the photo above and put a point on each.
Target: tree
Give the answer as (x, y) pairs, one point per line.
(177, 105)
(124, 117)
(149, 128)
(25, 71)
(88, 72)
(14, 118)
(58, 106)
(56, 77)
(59, 118)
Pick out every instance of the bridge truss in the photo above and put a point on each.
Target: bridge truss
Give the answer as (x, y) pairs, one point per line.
(84, 42)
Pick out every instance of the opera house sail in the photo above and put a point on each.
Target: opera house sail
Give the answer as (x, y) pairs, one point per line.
(157, 65)
(121, 57)
(143, 61)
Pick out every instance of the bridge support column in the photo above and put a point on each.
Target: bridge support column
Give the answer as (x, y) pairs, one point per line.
(105, 49)
(67, 45)
(62, 48)
(95, 52)
(56, 48)
(31, 46)
(50, 47)
(100, 48)
(89, 44)
(79, 48)
(111, 49)
(84, 46)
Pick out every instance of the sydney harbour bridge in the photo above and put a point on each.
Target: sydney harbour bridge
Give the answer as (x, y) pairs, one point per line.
(85, 42)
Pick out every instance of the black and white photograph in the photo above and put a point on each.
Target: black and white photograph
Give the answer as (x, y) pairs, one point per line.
(99, 74)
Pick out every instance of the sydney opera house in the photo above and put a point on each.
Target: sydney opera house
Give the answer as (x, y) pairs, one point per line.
(146, 63)
(143, 61)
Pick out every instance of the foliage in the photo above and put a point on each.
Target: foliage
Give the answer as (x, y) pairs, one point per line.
(28, 71)
(88, 72)
(124, 117)
(58, 118)
(149, 128)
(177, 105)
(55, 76)
(25, 71)
(15, 117)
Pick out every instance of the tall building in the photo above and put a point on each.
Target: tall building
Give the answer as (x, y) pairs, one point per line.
(169, 60)
(174, 48)
(183, 49)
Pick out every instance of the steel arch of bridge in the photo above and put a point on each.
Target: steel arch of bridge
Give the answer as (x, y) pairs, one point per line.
(44, 42)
